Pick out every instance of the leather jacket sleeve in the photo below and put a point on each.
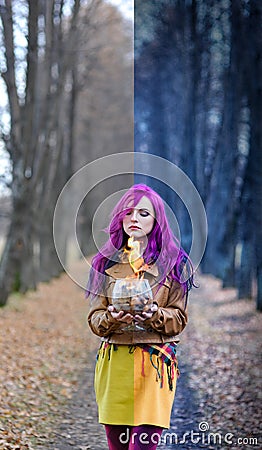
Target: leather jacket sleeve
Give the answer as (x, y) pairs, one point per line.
(171, 318)
(99, 319)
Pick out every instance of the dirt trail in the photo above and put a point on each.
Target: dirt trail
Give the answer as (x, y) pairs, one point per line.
(47, 364)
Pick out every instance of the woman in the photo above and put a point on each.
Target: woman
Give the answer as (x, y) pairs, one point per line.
(136, 368)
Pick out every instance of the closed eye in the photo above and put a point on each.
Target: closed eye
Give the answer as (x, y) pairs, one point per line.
(144, 213)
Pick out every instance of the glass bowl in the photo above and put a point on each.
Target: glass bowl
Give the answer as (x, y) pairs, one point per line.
(132, 295)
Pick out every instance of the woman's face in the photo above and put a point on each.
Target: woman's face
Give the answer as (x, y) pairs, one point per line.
(140, 220)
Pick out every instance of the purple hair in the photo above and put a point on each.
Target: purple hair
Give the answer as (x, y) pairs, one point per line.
(162, 246)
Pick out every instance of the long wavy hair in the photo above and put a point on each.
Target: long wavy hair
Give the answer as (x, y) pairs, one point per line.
(163, 248)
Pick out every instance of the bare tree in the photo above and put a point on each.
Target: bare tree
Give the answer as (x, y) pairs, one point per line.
(36, 141)
(251, 202)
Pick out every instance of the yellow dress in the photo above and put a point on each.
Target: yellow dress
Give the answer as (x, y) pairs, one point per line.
(133, 386)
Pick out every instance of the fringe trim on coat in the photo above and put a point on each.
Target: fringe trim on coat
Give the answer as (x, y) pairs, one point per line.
(166, 357)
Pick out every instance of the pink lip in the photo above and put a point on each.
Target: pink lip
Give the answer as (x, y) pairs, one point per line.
(133, 227)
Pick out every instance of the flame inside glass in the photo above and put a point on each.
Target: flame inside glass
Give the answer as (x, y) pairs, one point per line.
(132, 295)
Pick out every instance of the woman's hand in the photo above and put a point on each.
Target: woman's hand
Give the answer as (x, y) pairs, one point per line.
(121, 316)
(146, 315)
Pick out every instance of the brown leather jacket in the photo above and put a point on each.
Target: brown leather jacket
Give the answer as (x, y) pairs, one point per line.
(165, 324)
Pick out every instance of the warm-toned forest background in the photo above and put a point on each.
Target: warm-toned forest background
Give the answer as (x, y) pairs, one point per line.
(67, 71)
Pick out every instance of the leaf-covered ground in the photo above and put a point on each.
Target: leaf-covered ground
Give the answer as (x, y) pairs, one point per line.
(222, 347)
(44, 343)
(47, 361)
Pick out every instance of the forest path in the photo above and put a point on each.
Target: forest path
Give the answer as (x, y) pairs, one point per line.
(47, 364)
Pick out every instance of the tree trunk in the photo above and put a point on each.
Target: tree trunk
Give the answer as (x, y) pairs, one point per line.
(223, 205)
(49, 265)
(252, 186)
(17, 265)
(245, 273)
(259, 289)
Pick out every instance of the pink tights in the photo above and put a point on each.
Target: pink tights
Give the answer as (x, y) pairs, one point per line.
(123, 437)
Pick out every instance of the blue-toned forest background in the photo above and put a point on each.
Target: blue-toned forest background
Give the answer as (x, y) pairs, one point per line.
(198, 103)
